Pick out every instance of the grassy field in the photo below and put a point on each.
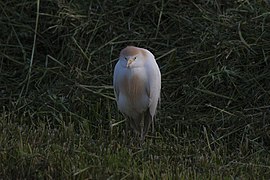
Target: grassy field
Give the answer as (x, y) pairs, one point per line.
(58, 116)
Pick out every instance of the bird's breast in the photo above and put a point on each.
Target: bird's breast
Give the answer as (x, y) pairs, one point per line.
(134, 89)
(134, 84)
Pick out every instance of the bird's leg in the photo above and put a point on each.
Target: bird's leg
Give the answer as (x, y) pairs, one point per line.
(153, 125)
(148, 119)
(126, 131)
(132, 130)
(142, 128)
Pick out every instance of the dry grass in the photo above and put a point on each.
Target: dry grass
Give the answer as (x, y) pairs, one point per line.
(58, 115)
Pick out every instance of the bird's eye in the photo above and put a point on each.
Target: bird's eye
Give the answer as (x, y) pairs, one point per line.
(135, 58)
(126, 58)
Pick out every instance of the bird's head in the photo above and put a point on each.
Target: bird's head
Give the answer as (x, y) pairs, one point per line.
(132, 57)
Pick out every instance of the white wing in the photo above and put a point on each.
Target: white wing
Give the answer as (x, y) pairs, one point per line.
(117, 70)
(154, 84)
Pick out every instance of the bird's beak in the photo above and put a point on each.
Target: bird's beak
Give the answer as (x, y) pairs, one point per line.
(129, 62)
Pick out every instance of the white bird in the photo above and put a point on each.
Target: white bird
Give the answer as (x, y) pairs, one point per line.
(137, 84)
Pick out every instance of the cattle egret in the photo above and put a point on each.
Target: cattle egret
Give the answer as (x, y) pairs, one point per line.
(137, 84)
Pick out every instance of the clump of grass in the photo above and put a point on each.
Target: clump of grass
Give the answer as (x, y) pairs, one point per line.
(58, 115)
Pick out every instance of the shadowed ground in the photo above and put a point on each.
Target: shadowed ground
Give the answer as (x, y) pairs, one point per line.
(58, 115)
